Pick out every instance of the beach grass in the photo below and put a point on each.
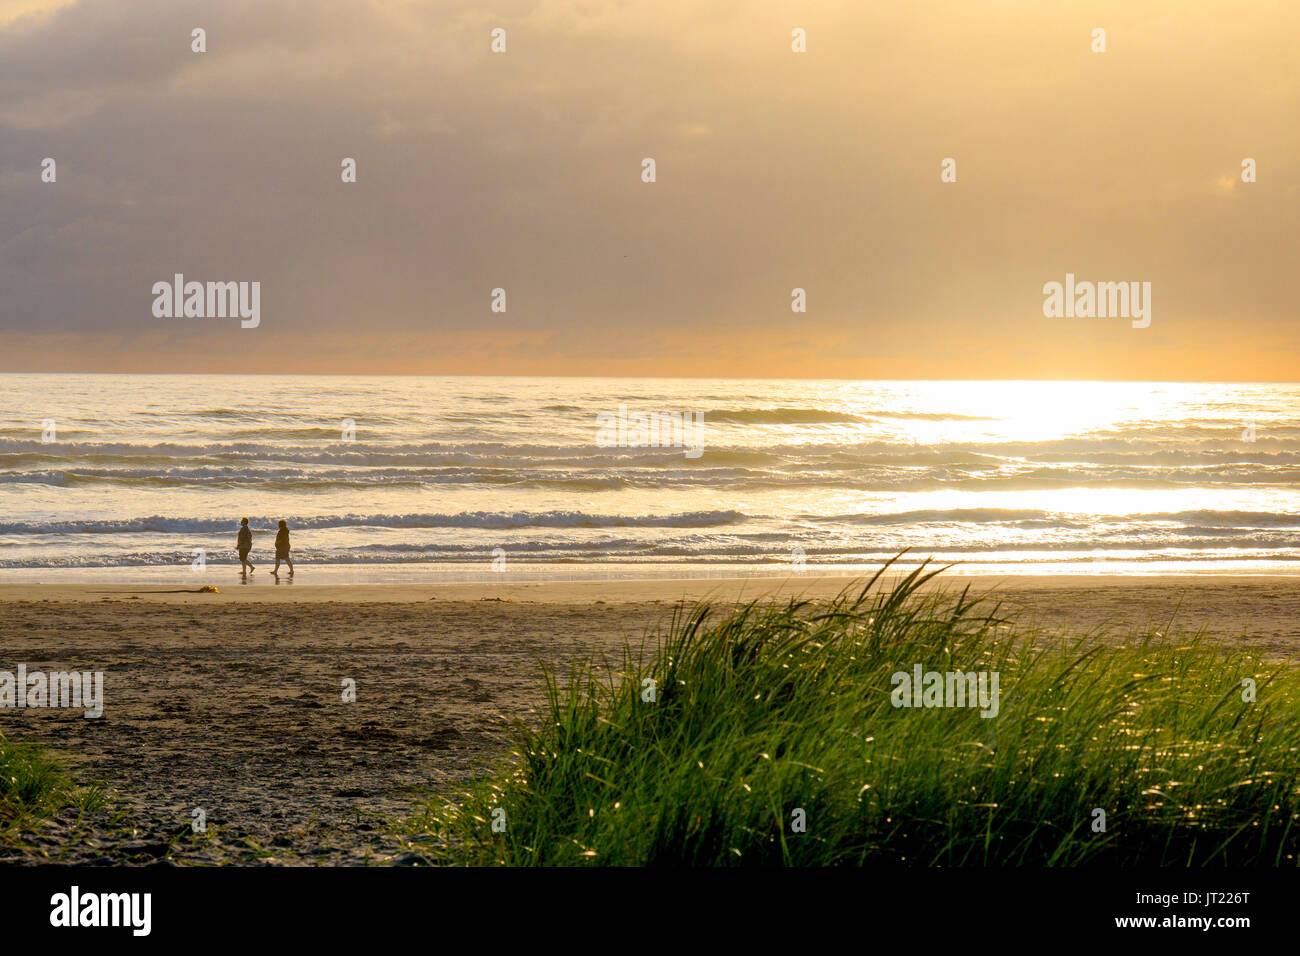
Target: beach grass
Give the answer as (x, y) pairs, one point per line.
(763, 716)
(31, 784)
(47, 817)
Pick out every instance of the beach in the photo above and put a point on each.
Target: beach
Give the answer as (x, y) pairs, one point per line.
(232, 702)
(550, 437)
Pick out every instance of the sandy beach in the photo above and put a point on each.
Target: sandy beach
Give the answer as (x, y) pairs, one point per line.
(232, 702)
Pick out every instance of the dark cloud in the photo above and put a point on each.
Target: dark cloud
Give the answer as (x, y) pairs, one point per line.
(775, 170)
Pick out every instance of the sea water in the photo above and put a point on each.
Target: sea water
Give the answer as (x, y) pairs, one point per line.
(134, 477)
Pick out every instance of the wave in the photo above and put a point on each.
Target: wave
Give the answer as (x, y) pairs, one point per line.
(1032, 518)
(824, 416)
(930, 416)
(1132, 527)
(300, 432)
(783, 416)
(16, 454)
(1224, 519)
(725, 471)
(158, 524)
(1019, 518)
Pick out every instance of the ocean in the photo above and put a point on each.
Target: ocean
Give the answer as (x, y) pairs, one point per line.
(145, 477)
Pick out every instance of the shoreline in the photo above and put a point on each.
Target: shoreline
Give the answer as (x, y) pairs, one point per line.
(616, 573)
(611, 591)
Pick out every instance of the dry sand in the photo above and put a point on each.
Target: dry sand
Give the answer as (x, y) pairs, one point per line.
(232, 702)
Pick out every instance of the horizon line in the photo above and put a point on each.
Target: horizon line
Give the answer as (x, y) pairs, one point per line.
(733, 378)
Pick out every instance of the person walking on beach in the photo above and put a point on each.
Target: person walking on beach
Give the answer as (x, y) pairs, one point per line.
(244, 544)
(282, 549)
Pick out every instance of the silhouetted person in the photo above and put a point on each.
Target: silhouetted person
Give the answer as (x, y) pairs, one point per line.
(244, 544)
(282, 550)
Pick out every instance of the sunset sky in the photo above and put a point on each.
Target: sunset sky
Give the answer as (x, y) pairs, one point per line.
(775, 170)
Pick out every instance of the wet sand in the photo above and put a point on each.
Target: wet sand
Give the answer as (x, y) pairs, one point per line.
(232, 702)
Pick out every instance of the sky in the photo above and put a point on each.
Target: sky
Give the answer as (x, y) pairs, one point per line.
(774, 170)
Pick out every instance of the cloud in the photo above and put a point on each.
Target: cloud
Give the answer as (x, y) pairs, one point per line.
(522, 171)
